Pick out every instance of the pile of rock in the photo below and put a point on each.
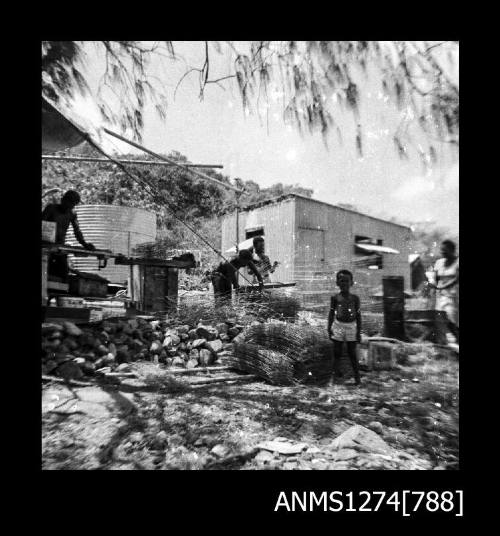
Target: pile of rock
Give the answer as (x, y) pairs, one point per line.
(71, 352)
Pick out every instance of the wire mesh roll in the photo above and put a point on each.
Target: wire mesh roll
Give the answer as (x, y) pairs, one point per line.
(284, 353)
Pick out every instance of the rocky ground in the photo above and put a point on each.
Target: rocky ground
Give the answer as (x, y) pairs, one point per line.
(405, 418)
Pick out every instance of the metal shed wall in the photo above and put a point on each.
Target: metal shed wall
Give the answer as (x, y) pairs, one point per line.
(278, 222)
(315, 271)
(314, 240)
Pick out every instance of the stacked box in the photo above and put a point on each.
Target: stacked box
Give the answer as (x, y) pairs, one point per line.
(381, 355)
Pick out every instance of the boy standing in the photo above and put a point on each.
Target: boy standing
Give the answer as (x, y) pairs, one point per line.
(344, 322)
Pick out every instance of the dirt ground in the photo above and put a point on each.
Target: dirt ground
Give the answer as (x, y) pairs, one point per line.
(158, 422)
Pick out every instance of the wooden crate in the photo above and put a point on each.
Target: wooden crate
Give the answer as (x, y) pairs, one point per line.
(88, 285)
(381, 355)
(77, 315)
(154, 288)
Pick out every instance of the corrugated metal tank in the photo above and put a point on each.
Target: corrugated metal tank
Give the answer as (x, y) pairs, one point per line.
(112, 227)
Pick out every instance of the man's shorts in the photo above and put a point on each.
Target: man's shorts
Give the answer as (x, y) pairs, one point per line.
(344, 331)
(448, 304)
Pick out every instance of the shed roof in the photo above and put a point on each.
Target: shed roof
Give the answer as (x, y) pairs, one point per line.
(286, 197)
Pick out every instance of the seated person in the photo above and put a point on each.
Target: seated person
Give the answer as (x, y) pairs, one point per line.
(63, 214)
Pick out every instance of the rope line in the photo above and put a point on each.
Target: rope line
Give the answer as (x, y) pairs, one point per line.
(159, 197)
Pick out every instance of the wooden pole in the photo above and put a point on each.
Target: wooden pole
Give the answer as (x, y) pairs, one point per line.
(237, 233)
(141, 162)
(235, 378)
(165, 159)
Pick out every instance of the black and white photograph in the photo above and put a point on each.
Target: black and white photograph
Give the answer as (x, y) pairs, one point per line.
(250, 255)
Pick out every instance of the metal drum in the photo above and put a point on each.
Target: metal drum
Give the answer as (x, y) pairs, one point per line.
(394, 307)
(112, 227)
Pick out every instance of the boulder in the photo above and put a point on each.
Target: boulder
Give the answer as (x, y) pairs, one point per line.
(87, 339)
(184, 337)
(224, 337)
(194, 354)
(239, 338)
(123, 354)
(108, 359)
(127, 329)
(204, 332)
(136, 345)
(183, 330)
(197, 343)
(112, 348)
(79, 360)
(143, 354)
(206, 357)
(171, 332)
(160, 441)
(171, 340)
(376, 426)
(102, 350)
(54, 335)
(221, 328)
(89, 356)
(72, 329)
(123, 367)
(192, 334)
(88, 367)
(50, 366)
(360, 438)
(51, 345)
(214, 346)
(136, 334)
(48, 327)
(233, 332)
(103, 336)
(168, 361)
(155, 347)
(191, 363)
(71, 343)
(220, 450)
(264, 456)
(178, 362)
(108, 327)
(69, 370)
(62, 357)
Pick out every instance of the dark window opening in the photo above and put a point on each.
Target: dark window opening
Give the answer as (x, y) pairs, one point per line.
(255, 232)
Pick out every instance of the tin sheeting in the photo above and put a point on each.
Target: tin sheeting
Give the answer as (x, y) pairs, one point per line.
(113, 227)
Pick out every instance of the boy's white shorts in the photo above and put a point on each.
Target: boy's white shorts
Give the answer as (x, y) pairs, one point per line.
(344, 331)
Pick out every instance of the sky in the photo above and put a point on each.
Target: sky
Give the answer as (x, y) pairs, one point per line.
(216, 130)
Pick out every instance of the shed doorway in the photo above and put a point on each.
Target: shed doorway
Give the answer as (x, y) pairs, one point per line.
(310, 250)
